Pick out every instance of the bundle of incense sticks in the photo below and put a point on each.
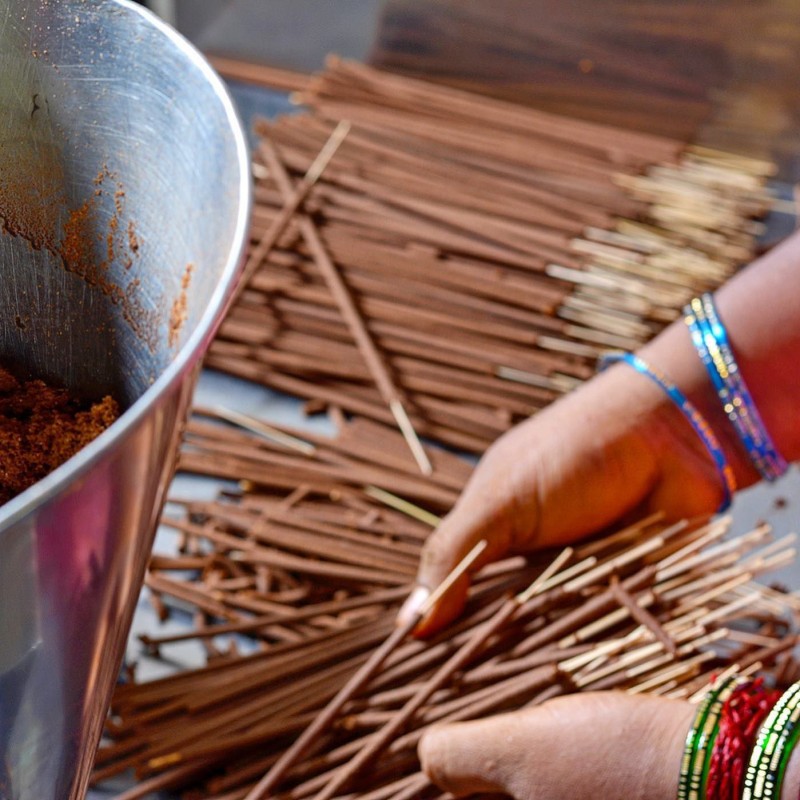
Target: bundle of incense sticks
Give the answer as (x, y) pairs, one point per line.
(310, 557)
(488, 252)
(632, 64)
(451, 264)
(658, 67)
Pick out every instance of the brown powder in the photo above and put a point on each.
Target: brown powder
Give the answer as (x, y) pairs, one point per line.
(40, 428)
(133, 239)
(179, 313)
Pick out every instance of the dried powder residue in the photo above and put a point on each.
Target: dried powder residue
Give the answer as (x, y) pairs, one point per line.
(179, 312)
(89, 244)
(41, 427)
(133, 245)
(79, 255)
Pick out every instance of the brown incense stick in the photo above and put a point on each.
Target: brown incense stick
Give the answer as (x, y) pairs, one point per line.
(376, 660)
(461, 657)
(292, 203)
(352, 316)
(640, 614)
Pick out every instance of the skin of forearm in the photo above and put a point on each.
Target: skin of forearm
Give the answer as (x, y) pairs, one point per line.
(791, 781)
(618, 447)
(760, 308)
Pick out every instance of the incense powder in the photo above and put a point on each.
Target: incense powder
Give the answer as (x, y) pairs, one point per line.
(42, 426)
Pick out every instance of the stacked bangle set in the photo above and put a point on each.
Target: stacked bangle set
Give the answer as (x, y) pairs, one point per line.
(770, 755)
(711, 342)
(740, 742)
(743, 734)
(713, 346)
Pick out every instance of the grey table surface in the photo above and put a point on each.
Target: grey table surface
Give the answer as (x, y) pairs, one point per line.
(776, 503)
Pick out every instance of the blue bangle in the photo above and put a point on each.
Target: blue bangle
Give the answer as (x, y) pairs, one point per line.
(697, 421)
(711, 342)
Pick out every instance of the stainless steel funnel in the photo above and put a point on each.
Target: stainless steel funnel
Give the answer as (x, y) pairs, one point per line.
(124, 198)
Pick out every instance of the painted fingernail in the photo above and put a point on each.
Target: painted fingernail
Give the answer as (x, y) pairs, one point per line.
(412, 605)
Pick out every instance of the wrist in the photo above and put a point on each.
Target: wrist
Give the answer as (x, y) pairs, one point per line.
(791, 783)
(673, 353)
(759, 311)
(766, 346)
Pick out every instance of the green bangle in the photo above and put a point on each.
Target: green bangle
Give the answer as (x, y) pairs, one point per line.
(704, 742)
(776, 739)
(699, 740)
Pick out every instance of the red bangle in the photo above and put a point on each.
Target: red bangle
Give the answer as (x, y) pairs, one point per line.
(741, 717)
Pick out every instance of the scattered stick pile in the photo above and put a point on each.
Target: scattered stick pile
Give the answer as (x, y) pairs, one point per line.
(313, 567)
(493, 251)
(462, 261)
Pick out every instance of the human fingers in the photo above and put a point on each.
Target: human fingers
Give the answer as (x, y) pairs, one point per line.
(605, 744)
(571, 470)
(485, 512)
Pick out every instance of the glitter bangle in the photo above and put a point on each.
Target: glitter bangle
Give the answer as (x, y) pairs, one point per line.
(742, 715)
(697, 421)
(713, 346)
(776, 739)
(700, 739)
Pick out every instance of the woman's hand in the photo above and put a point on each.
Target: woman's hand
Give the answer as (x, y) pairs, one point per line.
(618, 446)
(604, 744)
(615, 446)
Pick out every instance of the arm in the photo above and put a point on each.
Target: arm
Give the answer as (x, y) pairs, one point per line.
(761, 310)
(605, 744)
(618, 446)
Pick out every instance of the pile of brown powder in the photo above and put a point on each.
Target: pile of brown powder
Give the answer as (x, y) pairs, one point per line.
(40, 428)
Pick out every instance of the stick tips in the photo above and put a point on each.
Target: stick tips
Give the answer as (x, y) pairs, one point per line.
(422, 600)
(411, 437)
(328, 152)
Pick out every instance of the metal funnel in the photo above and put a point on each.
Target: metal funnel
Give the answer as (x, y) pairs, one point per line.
(124, 198)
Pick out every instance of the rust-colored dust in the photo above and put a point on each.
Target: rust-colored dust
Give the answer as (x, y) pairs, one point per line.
(179, 312)
(41, 427)
(79, 247)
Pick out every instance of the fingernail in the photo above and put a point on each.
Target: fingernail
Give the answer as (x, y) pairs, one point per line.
(412, 605)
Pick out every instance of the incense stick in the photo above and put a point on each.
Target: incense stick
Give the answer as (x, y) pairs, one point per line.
(321, 722)
(352, 316)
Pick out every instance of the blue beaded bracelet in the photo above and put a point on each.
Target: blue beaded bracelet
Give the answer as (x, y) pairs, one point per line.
(695, 418)
(711, 342)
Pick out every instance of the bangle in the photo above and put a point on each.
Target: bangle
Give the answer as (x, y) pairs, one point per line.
(713, 346)
(776, 738)
(740, 720)
(694, 763)
(697, 421)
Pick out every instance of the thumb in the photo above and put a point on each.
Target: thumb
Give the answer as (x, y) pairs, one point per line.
(471, 757)
(445, 548)
(555, 750)
(500, 504)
